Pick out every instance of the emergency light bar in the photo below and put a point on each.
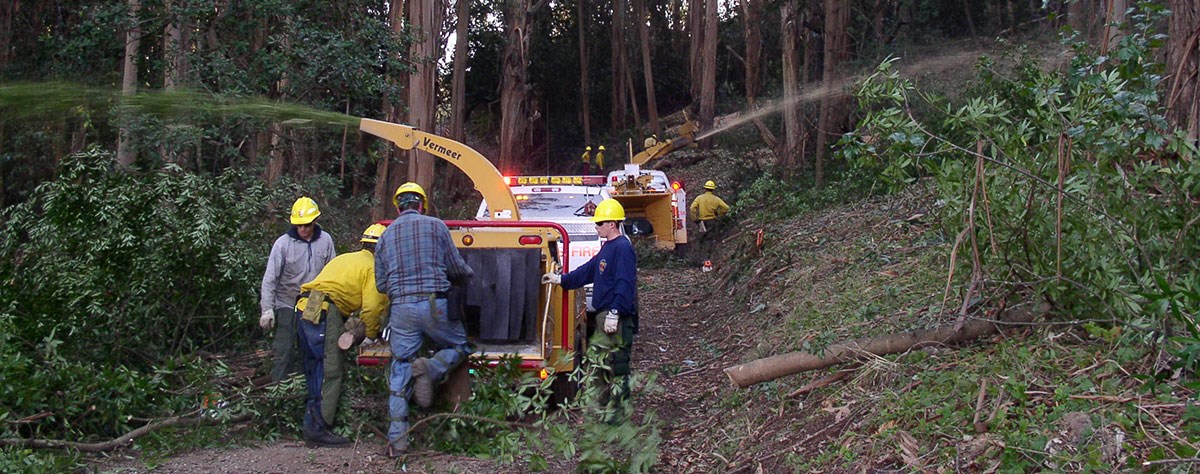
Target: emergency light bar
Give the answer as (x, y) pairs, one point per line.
(565, 180)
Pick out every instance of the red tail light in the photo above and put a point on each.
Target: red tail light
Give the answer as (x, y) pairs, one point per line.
(530, 240)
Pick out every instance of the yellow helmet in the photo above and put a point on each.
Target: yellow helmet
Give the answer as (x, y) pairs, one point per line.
(609, 210)
(408, 187)
(372, 233)
(601, 147)
(587, 148)
(710, 185)
(304, 211)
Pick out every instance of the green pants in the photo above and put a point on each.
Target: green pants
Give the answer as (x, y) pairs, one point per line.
(614, 385)
(331, 388)
(286, 348)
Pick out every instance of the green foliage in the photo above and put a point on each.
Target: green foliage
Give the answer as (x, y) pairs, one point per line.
(1123, 218)
(110, 279)
(772, 198)
(509, 418)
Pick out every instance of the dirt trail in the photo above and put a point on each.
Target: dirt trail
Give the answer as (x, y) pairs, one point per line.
(674, 342)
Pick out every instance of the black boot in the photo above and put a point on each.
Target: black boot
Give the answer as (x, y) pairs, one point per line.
(317, 434)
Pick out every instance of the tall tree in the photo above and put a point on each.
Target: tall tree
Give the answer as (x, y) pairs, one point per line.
(696, 25)
(129, 79)
(458, 98)
(620, 94)
(751, 26)
(514, 119)
(837, 17)
(793, 127)
(421, 92)
(647, 70)
(708, 68)
(7, 10)
(388, 173)
(1183, 65)
(584, 76)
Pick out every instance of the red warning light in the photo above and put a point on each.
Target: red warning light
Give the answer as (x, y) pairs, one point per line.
(675, 185)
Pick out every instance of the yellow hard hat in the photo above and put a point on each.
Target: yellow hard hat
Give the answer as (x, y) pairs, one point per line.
(601, 147)
(710, 185)
(609, 210)
(409, 187)
(588, 148)
(372, 233)
(304, 211)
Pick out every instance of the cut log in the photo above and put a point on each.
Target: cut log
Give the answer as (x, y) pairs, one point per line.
(771, 368)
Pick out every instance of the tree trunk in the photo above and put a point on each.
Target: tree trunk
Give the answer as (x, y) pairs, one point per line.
(837, 15)
(584, 77)
(129, 79)
(791, 89)
(620, 95)
(1183, 67)
(695, 28)
(1114, 14)
(970, 21)
(389, 175)
(175, 70)
(514, 118)
(421, 93)
(7, 10)
(708, 83)
(771, 368)
(458, 98)
(275, 152)
(647, 71)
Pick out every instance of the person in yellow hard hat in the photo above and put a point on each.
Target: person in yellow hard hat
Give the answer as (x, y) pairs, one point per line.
(707, 206)
(415, 262)
(585, 160)
(613, 271)
(600, 160)
(296, 257)
(345, 288)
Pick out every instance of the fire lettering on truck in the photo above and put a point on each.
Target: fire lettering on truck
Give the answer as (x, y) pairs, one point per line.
(582, 251)
(433, 146)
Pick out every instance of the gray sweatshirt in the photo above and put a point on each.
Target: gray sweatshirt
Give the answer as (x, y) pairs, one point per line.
(293, 262)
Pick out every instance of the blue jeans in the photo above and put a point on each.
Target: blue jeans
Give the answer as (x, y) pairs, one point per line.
(410, 323)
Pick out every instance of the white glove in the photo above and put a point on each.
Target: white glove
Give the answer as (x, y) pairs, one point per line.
(610, 322)
(267, 321)
(552, 278)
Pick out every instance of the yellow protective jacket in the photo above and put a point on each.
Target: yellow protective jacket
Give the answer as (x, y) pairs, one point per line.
(586, 157)
(600, 159)
(349, 280)
(707, 207)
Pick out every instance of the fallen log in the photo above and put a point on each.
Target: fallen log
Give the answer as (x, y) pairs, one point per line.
(771, 368)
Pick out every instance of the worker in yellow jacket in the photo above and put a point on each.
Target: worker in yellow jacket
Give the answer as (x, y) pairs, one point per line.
(344, 287)
(708, 206)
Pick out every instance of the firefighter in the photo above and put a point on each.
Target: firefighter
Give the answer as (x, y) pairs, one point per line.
(650, 142)
(296, 257)
(600, 160)
(585, 160)
(613, 271)
(708, 206)
(346, 286)
(414, 264)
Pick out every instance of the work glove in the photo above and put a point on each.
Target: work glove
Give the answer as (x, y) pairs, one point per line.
(267, 321)
(353, 324)
(610, 322)
(552, 278)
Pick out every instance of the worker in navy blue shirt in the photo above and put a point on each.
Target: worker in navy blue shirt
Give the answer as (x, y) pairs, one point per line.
(613, 271)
